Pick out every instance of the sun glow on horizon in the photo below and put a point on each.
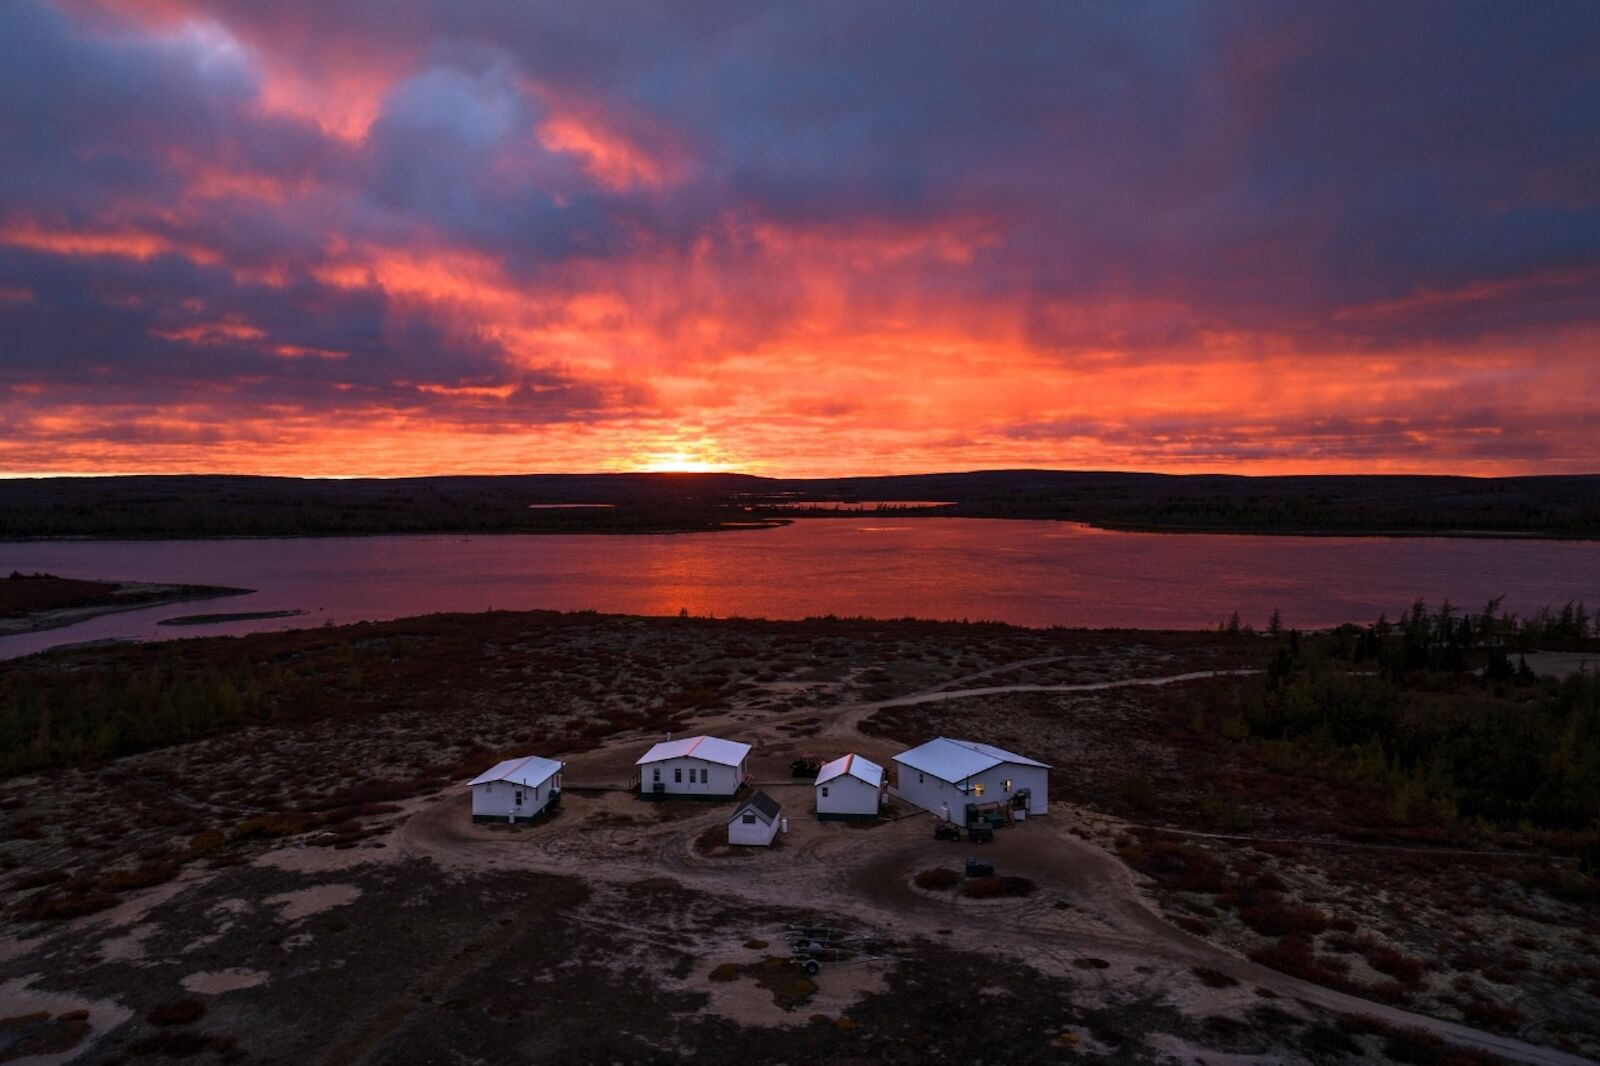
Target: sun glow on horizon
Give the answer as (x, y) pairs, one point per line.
(697, 456)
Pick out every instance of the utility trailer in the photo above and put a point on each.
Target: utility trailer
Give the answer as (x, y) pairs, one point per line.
(811, 946)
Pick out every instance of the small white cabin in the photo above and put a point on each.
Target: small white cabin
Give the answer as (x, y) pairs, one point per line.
(944, 775)
(706, 767)
(849, 787)
(755, 822)
(516, 789)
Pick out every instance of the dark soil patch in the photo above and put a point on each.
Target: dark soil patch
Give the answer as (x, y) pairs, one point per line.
(39, 1033)
(1213, 978)
(937, 879)
(997, 887)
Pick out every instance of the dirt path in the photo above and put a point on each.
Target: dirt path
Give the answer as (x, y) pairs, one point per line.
(1088, 900)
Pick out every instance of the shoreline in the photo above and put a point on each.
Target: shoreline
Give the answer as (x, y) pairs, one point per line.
(150, 594)
(764, 523)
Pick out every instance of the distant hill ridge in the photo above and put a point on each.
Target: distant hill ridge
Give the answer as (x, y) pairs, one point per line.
(208, 505)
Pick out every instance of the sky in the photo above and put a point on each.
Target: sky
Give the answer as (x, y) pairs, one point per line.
(385, 238)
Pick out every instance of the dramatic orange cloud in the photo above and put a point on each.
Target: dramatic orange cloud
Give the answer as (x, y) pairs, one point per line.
(425, 238)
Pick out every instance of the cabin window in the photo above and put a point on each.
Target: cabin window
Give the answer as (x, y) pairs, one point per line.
(749, 819)
(677, 775)
(705, 776)
(519, 797)
(824, 791)
(1006, 784)
(657, 772)
(977, 789)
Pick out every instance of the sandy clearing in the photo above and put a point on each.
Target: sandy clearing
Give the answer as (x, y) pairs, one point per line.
(18, 997)
(304, 902)
(217, 982)
(839, 987)
(129, 946)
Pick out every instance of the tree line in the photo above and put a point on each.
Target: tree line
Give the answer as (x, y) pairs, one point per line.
(1441, 708)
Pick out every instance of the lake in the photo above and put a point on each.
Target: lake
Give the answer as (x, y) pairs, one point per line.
(1031, 573)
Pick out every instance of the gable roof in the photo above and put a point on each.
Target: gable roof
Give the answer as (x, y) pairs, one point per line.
(530, 771)
(853, 765)
(707, 749)
(765, 806)
(956, 760)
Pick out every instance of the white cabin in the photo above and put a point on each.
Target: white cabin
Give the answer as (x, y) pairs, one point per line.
(944, 775)
(516, 789)
(849, 787)
(707, 767)
(755, 822)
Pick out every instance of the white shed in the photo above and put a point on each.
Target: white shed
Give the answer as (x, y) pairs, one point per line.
(944, 775)
(516, 788)
(849, 787)
(707, 767)
(755, 822)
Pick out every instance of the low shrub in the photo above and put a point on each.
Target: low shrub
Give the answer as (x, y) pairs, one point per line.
(37, 879)
(727, 971)
(203, 844)
(1295, 956)
(1273, 917)
(180, 1044)
(1488, 1014)
(1177, 866)
(1213, 978)
(1387, 959)
(145, 876)
(1405, 1044)
(271, 826)
(178, 1012)
(788, 983)
(54, 907)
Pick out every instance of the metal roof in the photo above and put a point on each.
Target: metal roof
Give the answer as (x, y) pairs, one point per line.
(764, 805)
(708, 749)
(956, 760)
(854, 765)
(530, 771)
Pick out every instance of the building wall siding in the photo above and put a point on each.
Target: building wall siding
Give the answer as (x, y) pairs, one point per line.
(929, 792)
(761, 833)
(847, 795)
(498, 799)
(720, 780)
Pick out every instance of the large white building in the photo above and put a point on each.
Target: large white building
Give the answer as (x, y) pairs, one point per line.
(944, 775)
(849, 787)
(515, 789)
(708, 767)
(755, 822)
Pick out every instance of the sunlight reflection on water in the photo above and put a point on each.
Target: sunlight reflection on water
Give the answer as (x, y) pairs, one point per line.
(1032, 573)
